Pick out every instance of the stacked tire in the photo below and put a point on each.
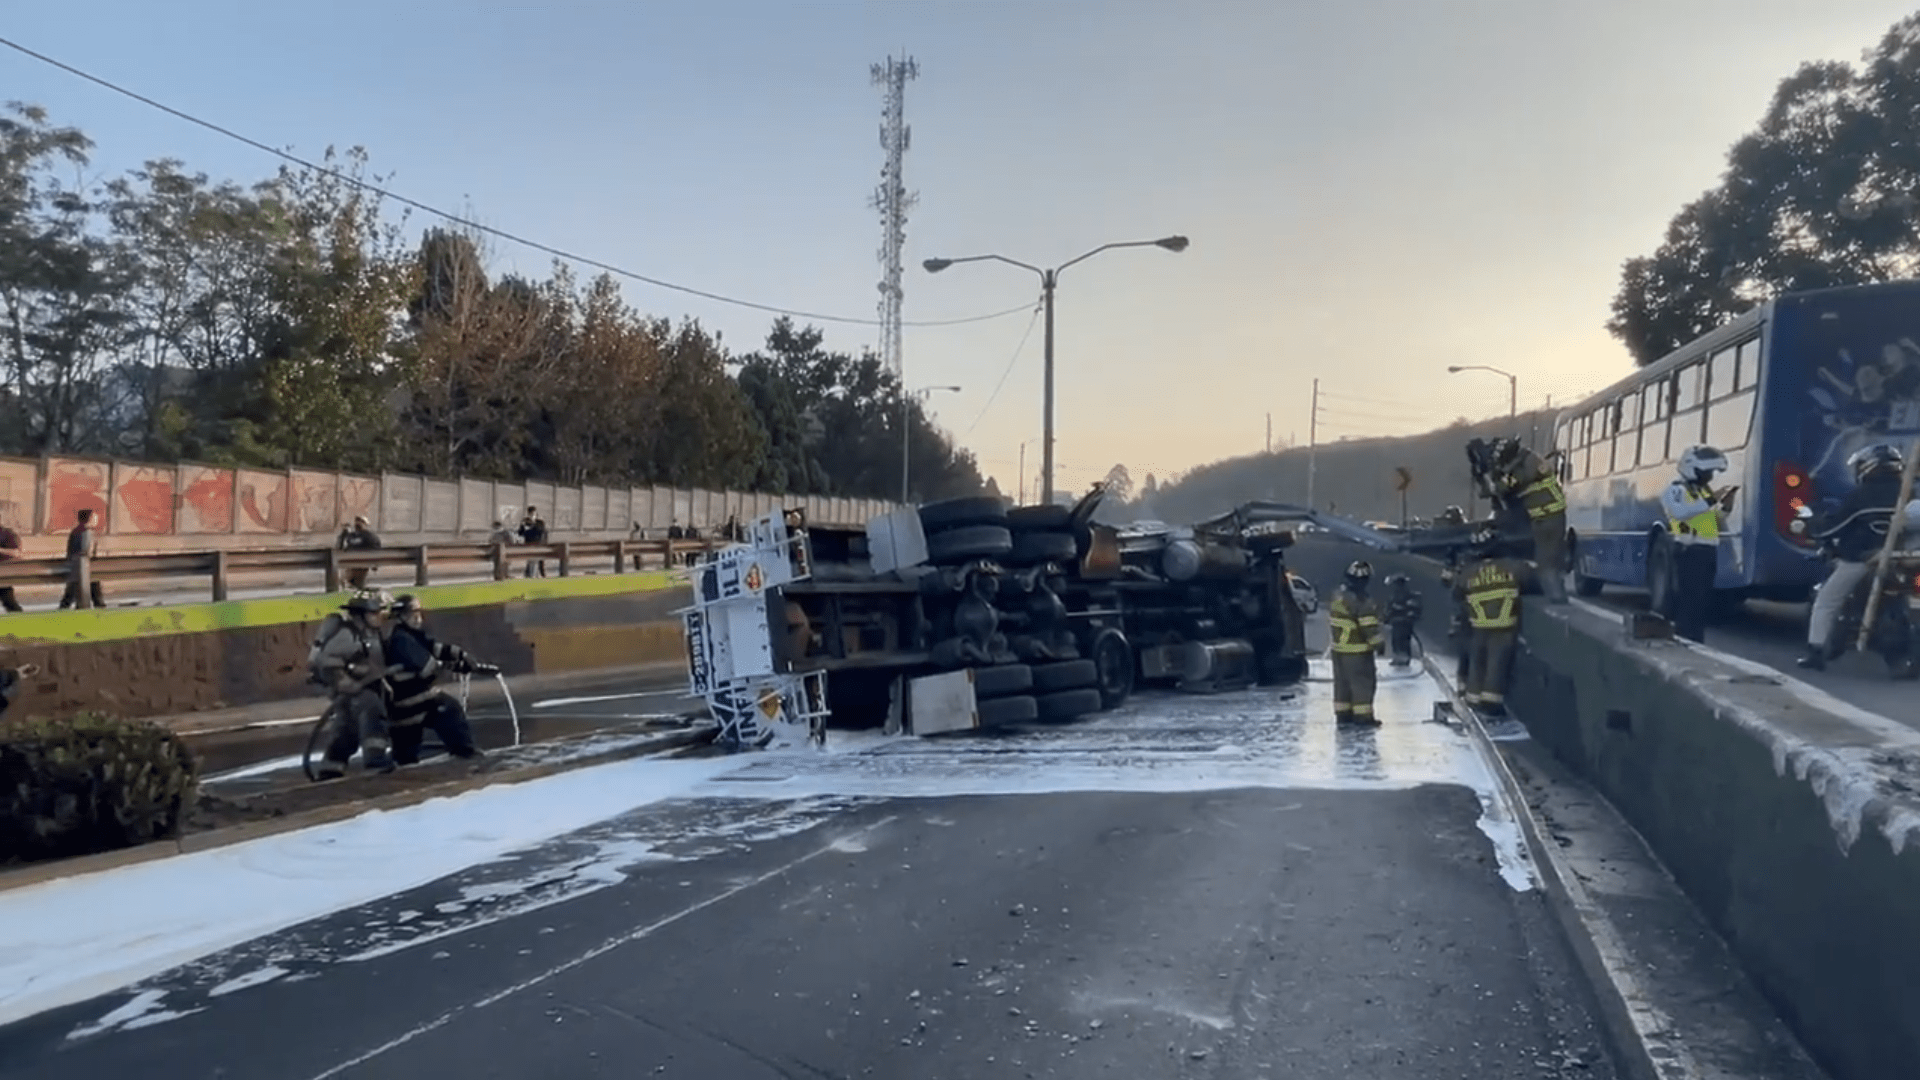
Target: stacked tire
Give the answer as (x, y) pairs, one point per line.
(1003, 695)
(1066, 690)
(1042, 534)
(962, 530)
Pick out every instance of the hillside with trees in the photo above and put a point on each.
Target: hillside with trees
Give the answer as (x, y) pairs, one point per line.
(163, 315)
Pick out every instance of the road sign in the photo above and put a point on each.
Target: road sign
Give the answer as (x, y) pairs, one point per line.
(1402, 478)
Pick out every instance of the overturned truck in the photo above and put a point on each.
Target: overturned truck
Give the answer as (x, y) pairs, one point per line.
(966, 614)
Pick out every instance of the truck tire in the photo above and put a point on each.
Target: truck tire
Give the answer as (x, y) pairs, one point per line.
(1068, 704)
(997, 712)
(1065, 675)
(1039, 517)
(1035, 546)
(960, 513)
(1002, 680)
(969, 542)
(1114, 661)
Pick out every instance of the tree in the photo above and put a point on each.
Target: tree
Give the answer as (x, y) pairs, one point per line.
(1819, 195)
(1119, 483)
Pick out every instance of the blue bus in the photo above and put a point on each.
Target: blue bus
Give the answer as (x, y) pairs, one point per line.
(1787, 391)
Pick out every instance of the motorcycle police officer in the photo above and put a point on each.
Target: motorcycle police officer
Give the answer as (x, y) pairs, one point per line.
(1696, 515)
(1857, 529)
(1354, 619)
(418, 707)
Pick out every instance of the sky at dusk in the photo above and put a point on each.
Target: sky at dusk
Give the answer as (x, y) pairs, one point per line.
(1374, 190)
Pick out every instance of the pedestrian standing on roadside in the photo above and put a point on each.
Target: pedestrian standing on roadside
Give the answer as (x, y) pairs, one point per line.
(533, 530)
(82, 543)
(9, 551)
(359, 537)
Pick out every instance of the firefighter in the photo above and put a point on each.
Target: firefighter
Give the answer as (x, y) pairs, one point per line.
(1696, 515)
(417, 706)
(350, 661)
(1525, 479)
(1489, 586)
(1355, 621)
(1403, 614)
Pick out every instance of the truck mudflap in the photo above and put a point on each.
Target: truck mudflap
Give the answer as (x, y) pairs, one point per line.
(731, 660)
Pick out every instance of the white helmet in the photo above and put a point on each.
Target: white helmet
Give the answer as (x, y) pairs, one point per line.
(1699, 463)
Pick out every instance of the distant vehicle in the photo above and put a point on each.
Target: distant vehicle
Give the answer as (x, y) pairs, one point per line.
(1787, 391)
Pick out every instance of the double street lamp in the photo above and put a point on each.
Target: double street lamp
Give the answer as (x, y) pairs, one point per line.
(1048, 278)
(906, 432)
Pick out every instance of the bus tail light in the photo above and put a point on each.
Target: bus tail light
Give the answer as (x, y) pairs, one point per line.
(1792, 489)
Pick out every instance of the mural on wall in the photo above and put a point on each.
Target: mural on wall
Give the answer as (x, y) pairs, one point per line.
(206, 500)
(263, 502)
(359, 497)
(19, 493)
(143, 495)
(73, 486)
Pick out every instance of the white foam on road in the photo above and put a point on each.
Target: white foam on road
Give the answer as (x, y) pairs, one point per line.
(554, 703)
(524, 847)
(70, 939)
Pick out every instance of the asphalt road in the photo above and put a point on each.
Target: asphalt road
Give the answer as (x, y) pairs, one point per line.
(1186, 887)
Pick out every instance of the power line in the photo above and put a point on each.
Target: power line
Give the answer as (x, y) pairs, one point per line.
(1012, 360)
(474, 225)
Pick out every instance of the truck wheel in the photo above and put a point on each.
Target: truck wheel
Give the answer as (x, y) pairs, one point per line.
(1113, 658)
(1038, 547)
(1001, 681)
(1039, 517)
(1068, 704)
(1065, 675)
(969, 542)
(960, 513)
(997, 712)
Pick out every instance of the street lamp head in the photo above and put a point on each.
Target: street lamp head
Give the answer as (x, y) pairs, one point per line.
(934, 266)
(1455, 369)
(1172, 243)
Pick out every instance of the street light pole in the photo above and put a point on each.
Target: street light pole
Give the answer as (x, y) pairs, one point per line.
(1513, 386)
(906, 434)
(1048, 280)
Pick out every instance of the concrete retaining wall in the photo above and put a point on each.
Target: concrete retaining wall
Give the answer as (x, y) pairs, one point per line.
(1790, 818)
(171, 660)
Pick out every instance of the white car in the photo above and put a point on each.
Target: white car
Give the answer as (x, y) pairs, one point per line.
(1304, 594)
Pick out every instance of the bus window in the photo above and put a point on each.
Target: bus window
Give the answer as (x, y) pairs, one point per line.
(1749, 364)
(1686, 432)
(1660, 396)
(1688, 396)
(1720, 374)
(1729, 421)
(1653, 435)
(1623, 450)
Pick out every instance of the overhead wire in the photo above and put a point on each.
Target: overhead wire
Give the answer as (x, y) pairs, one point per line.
(468, 223)
(1008, 370)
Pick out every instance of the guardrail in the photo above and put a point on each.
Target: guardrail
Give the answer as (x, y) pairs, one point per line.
(620, 556)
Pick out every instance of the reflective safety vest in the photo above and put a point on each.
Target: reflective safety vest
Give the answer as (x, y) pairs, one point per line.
(1544, 498)
(1493, 597)
(1700, 528)
(1355, 623)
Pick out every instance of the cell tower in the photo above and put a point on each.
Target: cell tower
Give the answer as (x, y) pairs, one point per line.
(892, 199)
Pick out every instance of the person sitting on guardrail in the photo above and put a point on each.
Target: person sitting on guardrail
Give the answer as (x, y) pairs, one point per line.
(82, 543)
(533, 530)
(1403, 614)
(417, 707)
(9, 551)
(352, 664)
(359, 536)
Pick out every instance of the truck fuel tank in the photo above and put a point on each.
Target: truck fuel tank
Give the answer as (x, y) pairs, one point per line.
(1187, 559)
(1212, 666)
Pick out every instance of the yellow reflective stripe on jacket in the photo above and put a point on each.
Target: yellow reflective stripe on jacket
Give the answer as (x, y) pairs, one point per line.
(1705, 525)
(1493, 598)
(1555, 500)
(1354, 631)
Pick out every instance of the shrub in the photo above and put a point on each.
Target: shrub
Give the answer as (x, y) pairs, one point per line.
(90, 783)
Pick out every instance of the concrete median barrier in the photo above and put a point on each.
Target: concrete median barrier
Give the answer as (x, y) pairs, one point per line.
(168, 661)
(1791, 819)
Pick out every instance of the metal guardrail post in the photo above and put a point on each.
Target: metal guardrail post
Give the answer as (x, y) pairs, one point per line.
(500, 570)
(83, 578)
(420, 575)
(219, 576)
(333, 570)
(566, 558)
(619, 556)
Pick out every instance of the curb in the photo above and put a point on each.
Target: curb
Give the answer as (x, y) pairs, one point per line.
(214, 839)
(1646, 1047)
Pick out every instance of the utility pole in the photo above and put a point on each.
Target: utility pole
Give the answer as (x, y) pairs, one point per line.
(893, 201)
(1023, 472)
(1313, 442)
(1269, 433)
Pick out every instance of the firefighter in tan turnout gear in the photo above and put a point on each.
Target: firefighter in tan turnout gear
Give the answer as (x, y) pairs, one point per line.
(1524, 478)
(1488, 587)
(1354, 620)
